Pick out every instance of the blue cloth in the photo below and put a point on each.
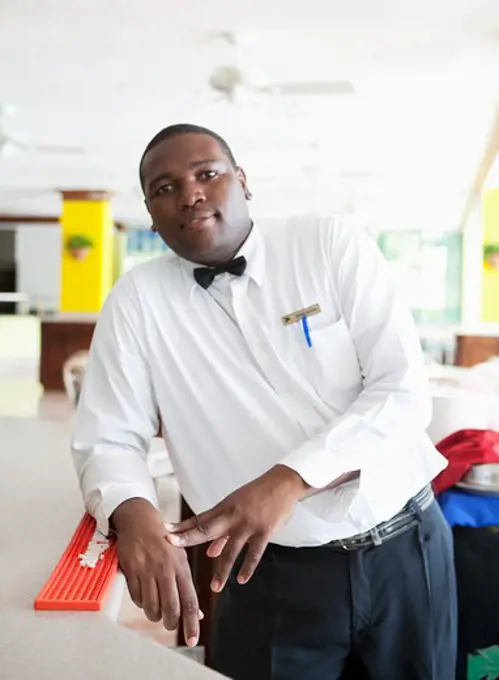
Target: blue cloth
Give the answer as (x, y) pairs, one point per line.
(466, 509)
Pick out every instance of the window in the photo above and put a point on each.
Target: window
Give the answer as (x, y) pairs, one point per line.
(429, 268)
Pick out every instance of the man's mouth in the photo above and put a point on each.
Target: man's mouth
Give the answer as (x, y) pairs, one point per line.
(198, 221)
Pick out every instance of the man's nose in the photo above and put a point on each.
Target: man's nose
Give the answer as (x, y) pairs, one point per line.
(190, 195)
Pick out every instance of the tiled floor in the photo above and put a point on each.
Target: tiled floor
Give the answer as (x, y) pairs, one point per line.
(21, 396)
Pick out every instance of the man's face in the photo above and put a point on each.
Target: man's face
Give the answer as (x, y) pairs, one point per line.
(196, 198)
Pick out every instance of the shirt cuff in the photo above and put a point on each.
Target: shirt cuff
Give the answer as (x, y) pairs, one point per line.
(317, 467)
(333, 505)
(102, 506)
(331, 454)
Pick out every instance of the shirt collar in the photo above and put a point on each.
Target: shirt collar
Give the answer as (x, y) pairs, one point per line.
(253, 249)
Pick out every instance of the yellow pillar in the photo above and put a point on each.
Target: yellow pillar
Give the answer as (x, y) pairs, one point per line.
(490, 280)
(87, 250)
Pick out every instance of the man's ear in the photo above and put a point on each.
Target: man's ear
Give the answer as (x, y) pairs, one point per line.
(241, 175)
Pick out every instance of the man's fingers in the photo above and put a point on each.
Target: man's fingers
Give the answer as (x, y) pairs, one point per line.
(134, 590)
(252, 558)
(190, 608)
(170, 601)
(215, 549)
(151, 603)
(203, 531)
(191, 523)
(226, 562)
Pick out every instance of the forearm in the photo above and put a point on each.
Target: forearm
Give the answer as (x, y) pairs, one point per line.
(133, 513)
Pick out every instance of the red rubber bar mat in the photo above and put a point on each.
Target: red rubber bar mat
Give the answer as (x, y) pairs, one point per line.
(72, 586)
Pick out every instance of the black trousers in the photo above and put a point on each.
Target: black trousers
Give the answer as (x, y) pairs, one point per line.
(379, 613)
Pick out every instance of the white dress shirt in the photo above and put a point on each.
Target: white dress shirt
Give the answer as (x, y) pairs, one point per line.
(238, 392)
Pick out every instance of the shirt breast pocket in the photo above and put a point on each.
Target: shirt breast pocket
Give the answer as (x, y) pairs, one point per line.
(333, 357)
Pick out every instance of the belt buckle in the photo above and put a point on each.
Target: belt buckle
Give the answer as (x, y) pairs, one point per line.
(357, 541)
(377, 540)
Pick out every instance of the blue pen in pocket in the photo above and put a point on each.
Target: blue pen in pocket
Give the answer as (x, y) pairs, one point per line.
(306, 330)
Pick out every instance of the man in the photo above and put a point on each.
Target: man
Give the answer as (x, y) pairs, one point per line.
(289, 383)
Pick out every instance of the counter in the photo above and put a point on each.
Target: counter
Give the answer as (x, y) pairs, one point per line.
(61, 336)
(70, 317)
(475, 347)
(40, 506)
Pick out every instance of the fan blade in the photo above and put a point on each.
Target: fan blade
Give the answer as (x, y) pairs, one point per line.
(54, 148)
(334, 87)
(11, 146)
(12, 140)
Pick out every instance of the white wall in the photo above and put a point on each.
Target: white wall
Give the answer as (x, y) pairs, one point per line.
(38, 257)
(472, 267)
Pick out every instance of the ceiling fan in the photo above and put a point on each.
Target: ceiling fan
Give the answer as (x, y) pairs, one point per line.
(12, 144)
(236, 80)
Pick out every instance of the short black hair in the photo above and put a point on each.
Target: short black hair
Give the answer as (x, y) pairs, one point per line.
(185, 129)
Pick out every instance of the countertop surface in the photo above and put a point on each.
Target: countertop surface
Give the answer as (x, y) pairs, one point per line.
(69, 317)
(40, 507)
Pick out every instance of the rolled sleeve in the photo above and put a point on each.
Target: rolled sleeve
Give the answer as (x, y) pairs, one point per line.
(393, 409)
(117, 413)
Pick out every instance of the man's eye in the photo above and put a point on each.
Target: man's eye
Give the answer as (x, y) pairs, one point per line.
(165, 189)
(209, 174)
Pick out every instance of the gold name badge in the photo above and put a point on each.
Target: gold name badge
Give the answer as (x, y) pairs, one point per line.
(294, 317)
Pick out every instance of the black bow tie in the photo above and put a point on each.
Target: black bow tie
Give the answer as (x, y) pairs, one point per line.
(206, 275)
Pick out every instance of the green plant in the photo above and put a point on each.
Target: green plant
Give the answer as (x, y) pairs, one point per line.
(484, 665)
(79, 241)
(490, 249)
(491, 255)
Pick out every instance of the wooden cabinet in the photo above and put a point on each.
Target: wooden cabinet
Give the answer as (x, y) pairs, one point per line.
(59, 340)
(474, 349)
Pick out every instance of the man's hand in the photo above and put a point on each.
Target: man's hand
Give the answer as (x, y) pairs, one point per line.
(158, 575)
(250, 515)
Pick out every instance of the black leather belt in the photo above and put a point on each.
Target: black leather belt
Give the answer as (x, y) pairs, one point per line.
(399, 523)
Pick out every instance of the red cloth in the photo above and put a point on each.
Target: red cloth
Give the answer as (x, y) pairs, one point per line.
(463, 450)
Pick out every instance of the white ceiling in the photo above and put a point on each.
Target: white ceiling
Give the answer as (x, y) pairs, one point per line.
(106, 75)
